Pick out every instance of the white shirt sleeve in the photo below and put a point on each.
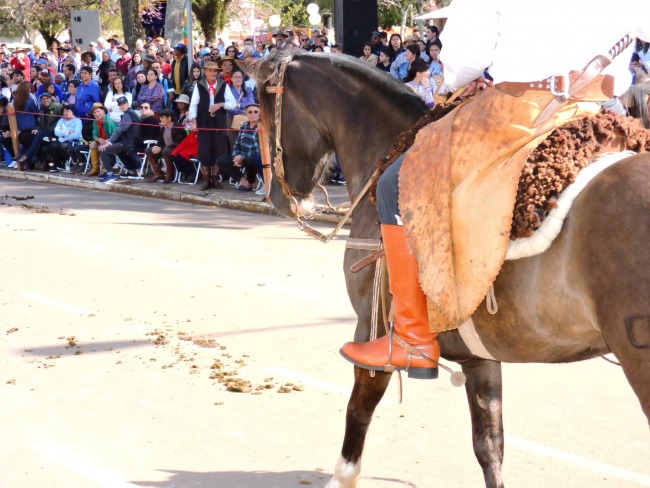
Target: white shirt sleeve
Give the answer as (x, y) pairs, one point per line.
(194, 104)
(469, 40)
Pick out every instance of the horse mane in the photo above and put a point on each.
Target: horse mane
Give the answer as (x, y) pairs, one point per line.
(405, 140)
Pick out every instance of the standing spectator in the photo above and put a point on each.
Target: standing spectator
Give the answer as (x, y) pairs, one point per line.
(368, 57)
(180, 68)
(375, 43)
(22, 62)
(87, 94)
(395, 47)
(436, 68)
(418, 81)
(122, 143)
(400, 67)
(208, 114)
(5, 91)
(231, 52)
(423, 53)
(194, 78)
(70, 96)
(168, 88)
(152, 92)
(26, 119)
(431, 35)
(103, 70)
(165, 67)
(116, 91)
(67, 132)
(46, 80)
(68, 75)
(88, 59)
(123, 60)
(384, 61)
(237, 96)
(3, 60)
(170, 136)
(245, 154)
(140, 81)
(227, 66)
(135, 67)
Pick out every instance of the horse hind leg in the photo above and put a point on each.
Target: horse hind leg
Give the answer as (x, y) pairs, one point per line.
(483, 389)
(366, 394)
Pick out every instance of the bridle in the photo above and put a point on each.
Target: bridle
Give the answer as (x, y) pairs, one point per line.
(278, 165)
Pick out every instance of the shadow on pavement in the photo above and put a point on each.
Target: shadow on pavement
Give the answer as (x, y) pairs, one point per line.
(257, 479)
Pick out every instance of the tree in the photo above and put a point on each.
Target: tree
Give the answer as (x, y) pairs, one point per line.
(211, 15)
(131, 24)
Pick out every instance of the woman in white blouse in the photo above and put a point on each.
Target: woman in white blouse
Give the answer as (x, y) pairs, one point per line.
(115, 91)
(368, 58)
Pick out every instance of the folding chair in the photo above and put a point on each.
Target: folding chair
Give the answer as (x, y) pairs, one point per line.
(197, 172)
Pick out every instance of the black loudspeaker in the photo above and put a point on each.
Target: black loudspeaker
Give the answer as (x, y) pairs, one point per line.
(354, 22)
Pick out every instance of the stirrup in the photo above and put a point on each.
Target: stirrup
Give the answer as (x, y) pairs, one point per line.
(415, 373)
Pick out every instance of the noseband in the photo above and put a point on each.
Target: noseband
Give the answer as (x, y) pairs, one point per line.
(278, 165)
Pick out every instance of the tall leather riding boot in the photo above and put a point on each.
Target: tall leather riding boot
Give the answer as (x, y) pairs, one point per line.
(94, 163)
(410, 345)
(215, 178)
(155, 166)
(208, 178)
(170, 171)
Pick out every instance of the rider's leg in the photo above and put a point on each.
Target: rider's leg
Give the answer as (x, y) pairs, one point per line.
(413, 346)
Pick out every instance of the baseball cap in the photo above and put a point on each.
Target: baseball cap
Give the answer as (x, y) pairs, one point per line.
(122, 100)
(45, 72)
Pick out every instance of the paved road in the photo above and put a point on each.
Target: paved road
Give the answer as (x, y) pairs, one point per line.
(130, 311)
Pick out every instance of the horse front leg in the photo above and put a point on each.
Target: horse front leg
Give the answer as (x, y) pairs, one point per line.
(366, 394)
(483, 389)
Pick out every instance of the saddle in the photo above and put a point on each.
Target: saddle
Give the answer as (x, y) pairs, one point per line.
(458, 211)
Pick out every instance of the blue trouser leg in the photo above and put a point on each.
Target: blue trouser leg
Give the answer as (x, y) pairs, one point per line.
(388, 194)
(36, 142)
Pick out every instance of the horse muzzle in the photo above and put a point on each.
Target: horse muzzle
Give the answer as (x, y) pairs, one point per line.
(303, 207)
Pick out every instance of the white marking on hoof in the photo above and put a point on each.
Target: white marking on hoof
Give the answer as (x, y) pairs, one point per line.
(346, 474)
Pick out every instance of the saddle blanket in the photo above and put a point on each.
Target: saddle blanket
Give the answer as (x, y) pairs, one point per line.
(543, 237)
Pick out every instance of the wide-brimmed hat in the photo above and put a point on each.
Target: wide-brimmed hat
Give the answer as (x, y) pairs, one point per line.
(124, 47)
(225, 58)
(20, 50)
(86, 53)
(183, 99)
(280, 33)
(211, 65)
(149, 58)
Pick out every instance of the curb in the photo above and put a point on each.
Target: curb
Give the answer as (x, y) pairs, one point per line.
(163, 194)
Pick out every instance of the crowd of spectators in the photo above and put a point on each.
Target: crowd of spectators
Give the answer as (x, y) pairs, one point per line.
(105, 108)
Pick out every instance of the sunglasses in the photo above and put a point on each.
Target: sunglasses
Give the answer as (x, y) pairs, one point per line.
(250, 112)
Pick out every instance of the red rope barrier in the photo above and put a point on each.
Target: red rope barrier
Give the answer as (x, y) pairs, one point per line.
(134, 123)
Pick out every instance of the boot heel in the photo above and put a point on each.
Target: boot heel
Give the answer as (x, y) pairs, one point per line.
(423, 373)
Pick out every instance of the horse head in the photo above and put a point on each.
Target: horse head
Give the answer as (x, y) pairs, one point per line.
(317, 108)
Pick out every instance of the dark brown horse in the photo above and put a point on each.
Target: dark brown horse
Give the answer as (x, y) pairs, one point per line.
(589, 294)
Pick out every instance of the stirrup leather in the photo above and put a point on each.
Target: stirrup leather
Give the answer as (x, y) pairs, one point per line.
(389, 368)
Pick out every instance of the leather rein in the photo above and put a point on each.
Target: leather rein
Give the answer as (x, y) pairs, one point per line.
(278, 165)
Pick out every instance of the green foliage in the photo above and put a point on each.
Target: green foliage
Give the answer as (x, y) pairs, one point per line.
(211, 15)
(389, 16)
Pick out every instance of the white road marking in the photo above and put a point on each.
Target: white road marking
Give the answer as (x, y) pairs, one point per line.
(55, 303)
(596, 466)
(77, 464)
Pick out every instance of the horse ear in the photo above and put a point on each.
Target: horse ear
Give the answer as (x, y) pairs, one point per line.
(258, 69)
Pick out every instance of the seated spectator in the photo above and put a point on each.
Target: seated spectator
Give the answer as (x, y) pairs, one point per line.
(436, 68)
(140, 81)
(395, 47)
(149, 128)
(400, 67)
(368, 57)
(70, 96)
(5, 91)
(102, 129)
(245, 155)
(423, 53)
(122, 143)
(49, 116)
(68, 132)
(170, 136)
(182, 108)
(417, 80)
(115, 91)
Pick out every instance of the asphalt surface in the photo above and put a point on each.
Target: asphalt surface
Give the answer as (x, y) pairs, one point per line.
(121, 315)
